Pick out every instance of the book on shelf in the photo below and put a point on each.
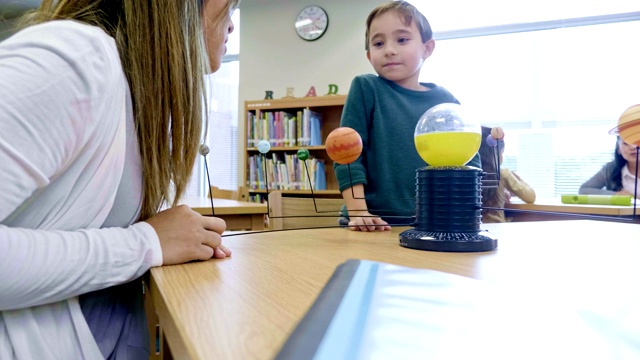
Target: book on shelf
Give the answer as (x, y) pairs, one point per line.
(375, 310)
(320, 177)
(282, 171)
(315, 120)
(278, 127)
(282, 128)
(310, 132)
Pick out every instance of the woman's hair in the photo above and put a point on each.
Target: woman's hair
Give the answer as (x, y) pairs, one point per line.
(408, 12)
(162, 49)
(620, 163)
(489, 161)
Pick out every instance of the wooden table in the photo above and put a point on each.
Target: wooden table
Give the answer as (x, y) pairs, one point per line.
(239, 215)
(565, 210)
(245, 307)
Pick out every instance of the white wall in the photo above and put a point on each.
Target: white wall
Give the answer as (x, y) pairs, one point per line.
(273, 57)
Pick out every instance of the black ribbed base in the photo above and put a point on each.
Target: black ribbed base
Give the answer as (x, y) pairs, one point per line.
(448, 211)
(453, 242)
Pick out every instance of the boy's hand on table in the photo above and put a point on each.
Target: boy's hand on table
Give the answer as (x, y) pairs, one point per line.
(365, 221)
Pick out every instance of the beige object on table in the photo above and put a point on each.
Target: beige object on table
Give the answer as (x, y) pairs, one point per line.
(288, 212)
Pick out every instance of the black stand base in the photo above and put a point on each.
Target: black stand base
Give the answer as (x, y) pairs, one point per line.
(452, 242)
(448, 211)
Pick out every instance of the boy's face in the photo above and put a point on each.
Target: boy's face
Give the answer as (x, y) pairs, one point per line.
(396, 51)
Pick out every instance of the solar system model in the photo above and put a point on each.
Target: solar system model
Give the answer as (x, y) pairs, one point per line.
(448, 192)
(448, 200)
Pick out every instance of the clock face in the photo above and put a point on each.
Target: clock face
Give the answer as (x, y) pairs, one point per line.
(312, 22)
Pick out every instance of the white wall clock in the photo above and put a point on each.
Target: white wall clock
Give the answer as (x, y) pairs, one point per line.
(312, 23)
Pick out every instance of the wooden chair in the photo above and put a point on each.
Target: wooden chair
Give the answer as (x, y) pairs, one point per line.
(241, 194)
(286, 212)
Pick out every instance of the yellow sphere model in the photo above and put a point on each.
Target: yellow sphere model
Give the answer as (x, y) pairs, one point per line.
(449, 148)
(444, 136)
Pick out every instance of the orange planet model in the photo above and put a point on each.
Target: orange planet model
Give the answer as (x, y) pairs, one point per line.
(344, 145)
(629, 126)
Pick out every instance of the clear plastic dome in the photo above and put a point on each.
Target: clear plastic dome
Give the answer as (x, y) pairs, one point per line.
(446, 136)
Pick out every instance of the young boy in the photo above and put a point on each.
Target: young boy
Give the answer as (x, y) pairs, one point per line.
(385, 110)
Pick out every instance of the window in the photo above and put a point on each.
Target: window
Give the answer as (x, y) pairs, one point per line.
(222, 135)
(555, 90)
(450, 15)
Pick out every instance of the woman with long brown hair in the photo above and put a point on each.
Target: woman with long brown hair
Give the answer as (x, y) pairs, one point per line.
(101, 105)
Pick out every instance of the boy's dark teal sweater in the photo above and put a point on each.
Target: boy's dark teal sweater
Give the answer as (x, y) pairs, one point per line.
(385, 115)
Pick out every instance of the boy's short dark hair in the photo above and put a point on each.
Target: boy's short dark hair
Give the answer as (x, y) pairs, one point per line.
(408, 12)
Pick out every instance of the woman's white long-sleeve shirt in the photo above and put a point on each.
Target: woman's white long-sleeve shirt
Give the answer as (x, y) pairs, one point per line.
(62, 152)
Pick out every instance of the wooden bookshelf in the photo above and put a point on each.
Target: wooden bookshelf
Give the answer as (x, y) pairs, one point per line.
(330, 108)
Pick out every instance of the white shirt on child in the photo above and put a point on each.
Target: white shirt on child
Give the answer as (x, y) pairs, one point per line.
(628, 180)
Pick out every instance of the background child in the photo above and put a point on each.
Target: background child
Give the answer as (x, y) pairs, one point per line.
(617, 177)
(384, 110)
(510, 183)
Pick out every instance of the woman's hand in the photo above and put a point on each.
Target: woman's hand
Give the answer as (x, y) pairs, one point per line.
(186, 235)
(365, 221)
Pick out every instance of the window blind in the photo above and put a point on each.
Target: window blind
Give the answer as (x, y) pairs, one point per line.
(222, 132)
(555, 92)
